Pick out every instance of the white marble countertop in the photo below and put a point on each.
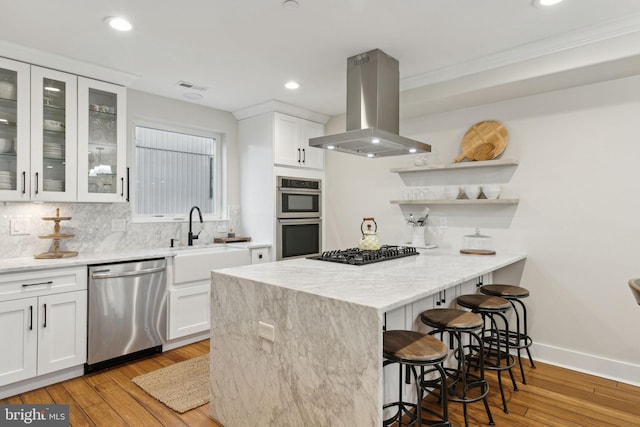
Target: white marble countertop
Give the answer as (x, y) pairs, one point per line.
(14, 265)
(383, 285)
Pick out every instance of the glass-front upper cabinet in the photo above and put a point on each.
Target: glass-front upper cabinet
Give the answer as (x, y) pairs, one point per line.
(102, 142)
(14, 130)
(54, 139)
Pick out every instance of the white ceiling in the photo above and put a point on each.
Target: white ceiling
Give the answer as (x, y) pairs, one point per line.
(243, 51)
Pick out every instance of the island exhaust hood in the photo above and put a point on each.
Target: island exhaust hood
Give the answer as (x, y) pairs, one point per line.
(373, 110)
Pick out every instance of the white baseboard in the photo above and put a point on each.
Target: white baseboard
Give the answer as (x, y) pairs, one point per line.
(40, 381)
(616, 370)
(181, 342)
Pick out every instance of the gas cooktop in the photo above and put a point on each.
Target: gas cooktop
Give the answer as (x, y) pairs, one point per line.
(357, 256)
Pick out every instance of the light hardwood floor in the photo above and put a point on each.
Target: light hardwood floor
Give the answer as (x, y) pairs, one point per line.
(552, 397)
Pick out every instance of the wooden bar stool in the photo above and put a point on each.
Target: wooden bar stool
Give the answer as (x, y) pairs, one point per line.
(410, 350)
(463, 386)
(497, 355)
(519, 339)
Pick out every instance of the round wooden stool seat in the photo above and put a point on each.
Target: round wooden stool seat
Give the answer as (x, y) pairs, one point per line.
(451, 318)
(463, 384)
(519, 337)
(413, 347)
(505, 291)
(483, 302)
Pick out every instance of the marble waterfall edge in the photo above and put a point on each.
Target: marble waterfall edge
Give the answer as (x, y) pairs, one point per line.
(314, 373)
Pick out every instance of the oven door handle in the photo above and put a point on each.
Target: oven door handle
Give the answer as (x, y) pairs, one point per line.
(300, 221)
(308, 191)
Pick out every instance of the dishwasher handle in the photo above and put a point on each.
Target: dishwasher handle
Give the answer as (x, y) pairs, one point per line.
(104, 274)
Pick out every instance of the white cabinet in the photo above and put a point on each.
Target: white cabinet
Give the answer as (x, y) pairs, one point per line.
(102, 142)
(62, 137)
(190, 287)
(53, 135)
(44, 317)
(291, 139)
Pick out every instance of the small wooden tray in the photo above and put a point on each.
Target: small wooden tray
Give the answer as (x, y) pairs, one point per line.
(54, 255)
(231, 239)
(477, 252)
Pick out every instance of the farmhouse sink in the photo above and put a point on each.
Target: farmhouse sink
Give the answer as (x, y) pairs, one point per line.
(193, 263)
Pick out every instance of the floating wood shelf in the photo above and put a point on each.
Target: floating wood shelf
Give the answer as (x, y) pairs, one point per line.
(462, 165)
(457, 202)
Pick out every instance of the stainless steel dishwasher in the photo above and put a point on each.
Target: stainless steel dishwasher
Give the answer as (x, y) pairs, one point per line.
(127, 312)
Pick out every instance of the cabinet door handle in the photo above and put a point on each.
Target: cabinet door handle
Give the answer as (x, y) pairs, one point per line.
(127, 184)
(50, 282)
(298, 155)
(31, 318)
(24, 182)
(304, 156)
(444, 296)
(36, 182)
(122, 187)
(44, 325)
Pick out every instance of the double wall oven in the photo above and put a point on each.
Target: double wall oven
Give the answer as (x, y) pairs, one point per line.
(299, 217)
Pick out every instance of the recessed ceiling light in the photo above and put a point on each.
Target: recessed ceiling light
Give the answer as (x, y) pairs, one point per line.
(370, 155)
(539, 3)
(375, 140)
(292, 85)
(330, 147)
(119, 23)
(192, 96)
(290, 4)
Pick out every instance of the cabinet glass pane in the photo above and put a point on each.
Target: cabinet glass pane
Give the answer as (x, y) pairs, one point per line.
(8, 118)
(103, 120)
(53, 134)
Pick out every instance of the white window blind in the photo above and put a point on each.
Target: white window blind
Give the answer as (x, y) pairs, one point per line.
(174, 171)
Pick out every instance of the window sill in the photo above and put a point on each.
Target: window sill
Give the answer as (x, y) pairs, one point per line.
(170, 219)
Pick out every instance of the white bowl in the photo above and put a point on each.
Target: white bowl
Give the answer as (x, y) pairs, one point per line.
(6, 145)
(491, 191)
(451, 192)
(53, 125)
(472, 191)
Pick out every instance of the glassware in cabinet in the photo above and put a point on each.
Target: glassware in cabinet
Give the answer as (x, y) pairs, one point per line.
(102, 149)
(14, 130)
(53, 135)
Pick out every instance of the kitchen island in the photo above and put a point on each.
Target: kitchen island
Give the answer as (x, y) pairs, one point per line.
(299, 342)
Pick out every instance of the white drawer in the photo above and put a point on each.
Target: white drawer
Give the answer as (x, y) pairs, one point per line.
(42, 282)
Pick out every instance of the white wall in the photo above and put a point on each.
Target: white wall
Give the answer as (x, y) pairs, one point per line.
(577, 219)
(91, 222)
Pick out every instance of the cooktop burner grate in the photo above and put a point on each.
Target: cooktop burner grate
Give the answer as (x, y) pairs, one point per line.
(355, 256)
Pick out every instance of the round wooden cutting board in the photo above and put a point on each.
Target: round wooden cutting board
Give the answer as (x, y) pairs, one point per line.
(479, 139)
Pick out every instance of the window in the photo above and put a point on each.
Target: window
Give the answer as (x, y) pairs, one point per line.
(175, 171)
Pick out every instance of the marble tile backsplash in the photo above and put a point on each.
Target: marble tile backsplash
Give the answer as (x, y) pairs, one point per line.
(91, 224)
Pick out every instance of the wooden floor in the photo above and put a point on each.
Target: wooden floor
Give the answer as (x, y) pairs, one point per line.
(552, 397)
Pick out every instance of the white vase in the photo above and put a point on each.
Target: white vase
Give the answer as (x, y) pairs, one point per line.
(418, 236)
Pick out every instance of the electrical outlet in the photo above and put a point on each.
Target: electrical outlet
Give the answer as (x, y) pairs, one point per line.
(19, 227)
(118, 225)
(266, 331)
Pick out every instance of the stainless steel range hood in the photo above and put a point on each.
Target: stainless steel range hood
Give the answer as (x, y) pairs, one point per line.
(373, 110)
